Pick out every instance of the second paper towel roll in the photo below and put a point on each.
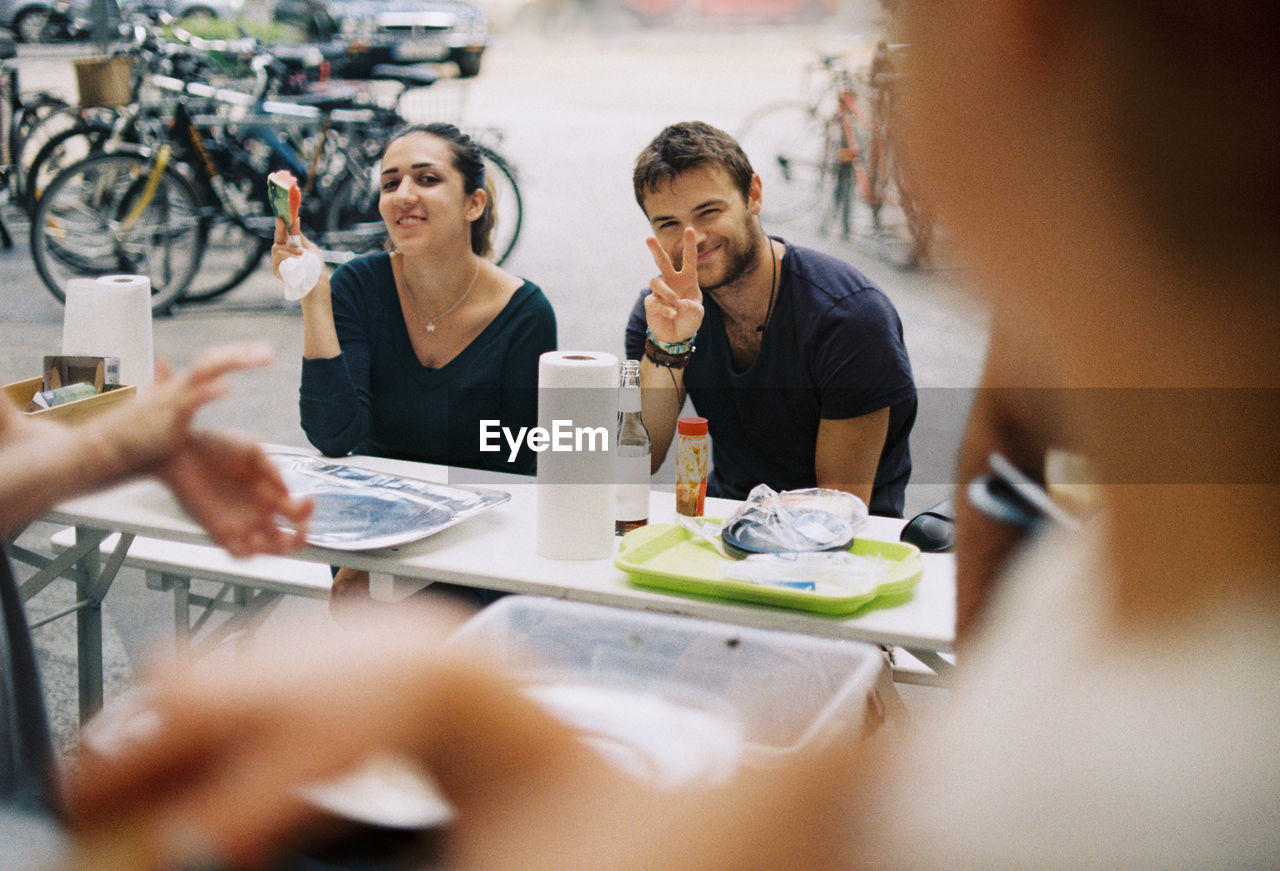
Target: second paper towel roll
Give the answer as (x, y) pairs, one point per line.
(577, 396)
(110, 316)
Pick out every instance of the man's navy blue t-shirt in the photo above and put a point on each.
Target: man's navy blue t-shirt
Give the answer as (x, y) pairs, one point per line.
(833, 350)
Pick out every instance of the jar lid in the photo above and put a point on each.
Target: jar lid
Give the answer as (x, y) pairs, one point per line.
(694, 426)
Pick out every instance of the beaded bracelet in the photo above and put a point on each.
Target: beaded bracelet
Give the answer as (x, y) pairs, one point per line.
(682, 347)
(659, 357)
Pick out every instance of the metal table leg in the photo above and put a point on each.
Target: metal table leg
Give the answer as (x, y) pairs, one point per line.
(92, 584)
(941, 667)
(83, 565)
(49, 569)
(89, 632)
(181, 613)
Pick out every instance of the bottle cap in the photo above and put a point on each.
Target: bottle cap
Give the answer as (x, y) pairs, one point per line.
(694, 426)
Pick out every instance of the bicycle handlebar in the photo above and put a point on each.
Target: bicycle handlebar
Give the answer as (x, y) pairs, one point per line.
(200, 89)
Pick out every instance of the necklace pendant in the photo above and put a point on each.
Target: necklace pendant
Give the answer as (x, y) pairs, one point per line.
(431, 326)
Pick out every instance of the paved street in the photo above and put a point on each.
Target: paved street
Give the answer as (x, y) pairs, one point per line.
(574, 111)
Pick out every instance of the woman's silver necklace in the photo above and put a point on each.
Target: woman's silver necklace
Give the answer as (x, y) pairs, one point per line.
(431, 321)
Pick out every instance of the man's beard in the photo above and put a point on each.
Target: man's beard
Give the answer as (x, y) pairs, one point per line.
(741, 261)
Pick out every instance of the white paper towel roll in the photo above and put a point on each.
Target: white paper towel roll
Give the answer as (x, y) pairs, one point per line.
(110, 316)
(577, 398)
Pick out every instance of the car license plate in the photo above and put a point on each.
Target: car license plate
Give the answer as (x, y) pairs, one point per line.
(419, 51)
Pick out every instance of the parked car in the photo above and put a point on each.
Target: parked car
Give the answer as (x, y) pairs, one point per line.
(188, 8)
(770, 10)
(376, 32)
(45, 20)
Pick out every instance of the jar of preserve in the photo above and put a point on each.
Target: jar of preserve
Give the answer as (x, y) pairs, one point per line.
(693, 460)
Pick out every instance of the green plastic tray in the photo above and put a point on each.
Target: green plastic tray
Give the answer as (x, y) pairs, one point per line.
(668, 557)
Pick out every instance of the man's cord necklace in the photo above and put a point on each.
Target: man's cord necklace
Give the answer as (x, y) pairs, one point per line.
(773, 286)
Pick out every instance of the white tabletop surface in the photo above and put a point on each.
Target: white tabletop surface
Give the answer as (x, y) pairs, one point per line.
(497, 549)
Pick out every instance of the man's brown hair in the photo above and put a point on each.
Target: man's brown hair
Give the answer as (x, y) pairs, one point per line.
(685, 146)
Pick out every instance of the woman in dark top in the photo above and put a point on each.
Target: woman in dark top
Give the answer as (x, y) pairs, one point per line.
(406, 352)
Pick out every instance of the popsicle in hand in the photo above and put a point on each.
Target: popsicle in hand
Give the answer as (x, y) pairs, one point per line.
(286, 198)
(300, 273)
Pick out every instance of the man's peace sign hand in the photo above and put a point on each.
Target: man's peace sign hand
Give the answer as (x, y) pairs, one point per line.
(674, 309)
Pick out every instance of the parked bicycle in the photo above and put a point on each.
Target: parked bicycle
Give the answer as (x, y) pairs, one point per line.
(19, 115)
(838, 149)
(332, 145)
(134, 211)
(153, 209)
(91, 127)
(354, 207)
(156, 209)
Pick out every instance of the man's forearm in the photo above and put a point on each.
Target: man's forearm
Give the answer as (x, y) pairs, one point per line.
(44, 462)
(661, 397)
(847, 452)
(862, 491)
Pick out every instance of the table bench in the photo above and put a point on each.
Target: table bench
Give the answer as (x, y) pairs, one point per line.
(249, 588)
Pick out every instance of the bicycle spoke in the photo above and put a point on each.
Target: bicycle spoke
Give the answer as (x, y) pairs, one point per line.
(112, 213)
(784, 143)
(834, 157)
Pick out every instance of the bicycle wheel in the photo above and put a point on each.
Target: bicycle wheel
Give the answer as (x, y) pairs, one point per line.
(918, 218)
(354, 224)
(57, 154)
(40, 129)
(239, 236)
(110, 214)
(34, 109)
(786, 144)
(500, 178)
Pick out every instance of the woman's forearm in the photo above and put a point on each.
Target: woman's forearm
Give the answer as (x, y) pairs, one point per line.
(319, 336)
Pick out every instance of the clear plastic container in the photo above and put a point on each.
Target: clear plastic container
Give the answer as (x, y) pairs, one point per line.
(777, 691)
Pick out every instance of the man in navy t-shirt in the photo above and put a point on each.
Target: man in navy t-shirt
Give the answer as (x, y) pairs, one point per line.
(796, 360)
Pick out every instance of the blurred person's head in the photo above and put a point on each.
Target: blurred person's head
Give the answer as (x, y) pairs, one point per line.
(435, 162)
(1109, 170)
(1071, 148)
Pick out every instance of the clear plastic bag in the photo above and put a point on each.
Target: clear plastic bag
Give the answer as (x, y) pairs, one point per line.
(794, 521)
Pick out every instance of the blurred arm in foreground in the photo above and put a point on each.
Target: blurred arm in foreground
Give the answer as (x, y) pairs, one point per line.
(216, 781)
(227, 484)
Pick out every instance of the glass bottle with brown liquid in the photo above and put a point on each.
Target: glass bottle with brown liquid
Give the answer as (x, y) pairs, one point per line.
(631, 461)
